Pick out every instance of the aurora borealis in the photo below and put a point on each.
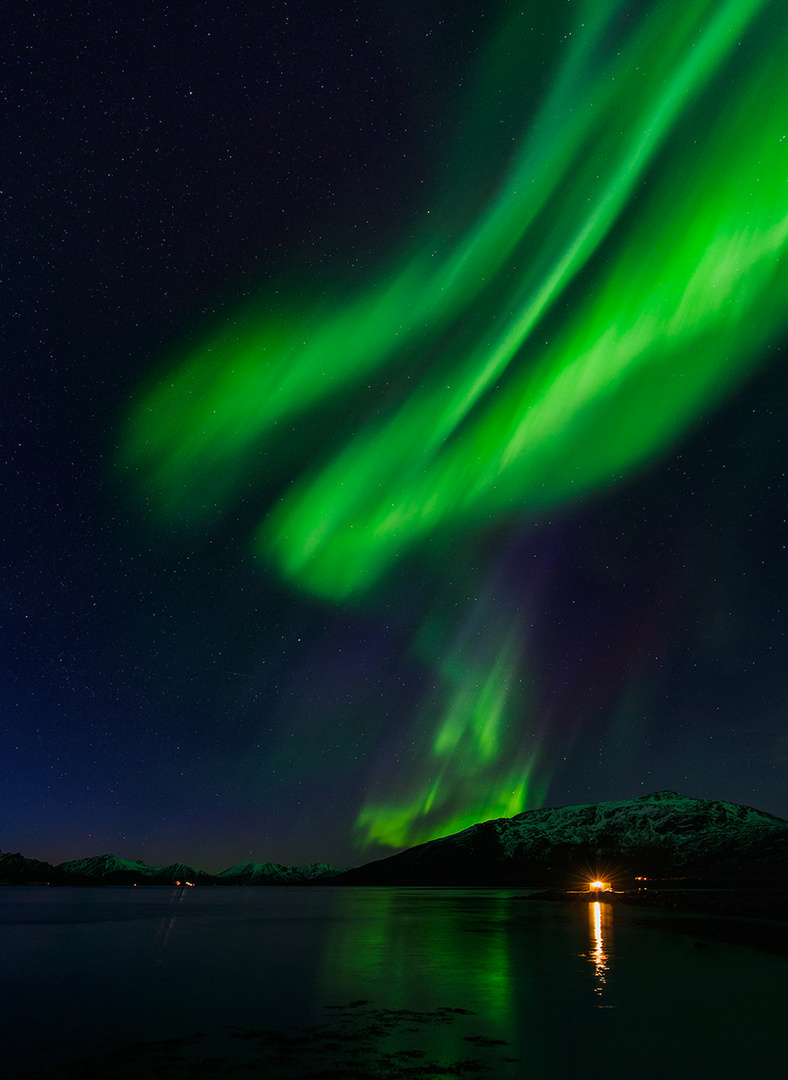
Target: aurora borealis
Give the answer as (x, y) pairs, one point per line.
(695, 270)
(432, 463)
(510, 415)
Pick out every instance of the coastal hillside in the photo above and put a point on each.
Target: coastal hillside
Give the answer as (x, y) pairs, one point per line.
(660, 836)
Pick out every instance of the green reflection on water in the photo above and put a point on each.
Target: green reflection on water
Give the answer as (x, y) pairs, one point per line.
(425, 948)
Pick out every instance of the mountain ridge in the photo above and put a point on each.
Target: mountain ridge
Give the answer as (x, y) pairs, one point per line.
(663, 835)
(110, 869)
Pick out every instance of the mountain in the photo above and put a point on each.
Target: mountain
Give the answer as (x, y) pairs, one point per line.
(664, 835)
(16, 870)
(659, 836)
(274, 874)
(110, 870)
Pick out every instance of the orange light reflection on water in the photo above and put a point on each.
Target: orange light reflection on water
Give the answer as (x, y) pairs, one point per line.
(600, 920)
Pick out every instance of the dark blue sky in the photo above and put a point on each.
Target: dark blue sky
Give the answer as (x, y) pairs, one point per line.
(162, 695)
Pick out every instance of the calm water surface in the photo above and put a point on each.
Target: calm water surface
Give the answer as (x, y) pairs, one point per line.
(568, 991)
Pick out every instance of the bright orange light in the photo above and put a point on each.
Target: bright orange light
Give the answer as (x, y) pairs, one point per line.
(598, 886)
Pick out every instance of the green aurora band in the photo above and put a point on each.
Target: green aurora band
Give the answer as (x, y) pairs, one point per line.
(624, 273)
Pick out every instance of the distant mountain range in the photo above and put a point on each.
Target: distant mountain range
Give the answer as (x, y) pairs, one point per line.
(110, 870)
(660, 836)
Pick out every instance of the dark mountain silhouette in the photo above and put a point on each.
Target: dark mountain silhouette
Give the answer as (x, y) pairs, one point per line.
(659, 836)
(110, 870)
(664, 836)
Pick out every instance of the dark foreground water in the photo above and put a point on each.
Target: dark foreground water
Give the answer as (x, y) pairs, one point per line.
(345, 982)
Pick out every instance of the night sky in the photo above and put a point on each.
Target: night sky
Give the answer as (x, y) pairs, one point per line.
(393, 419)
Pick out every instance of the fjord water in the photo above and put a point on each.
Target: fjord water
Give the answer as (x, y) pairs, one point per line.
(568, 989)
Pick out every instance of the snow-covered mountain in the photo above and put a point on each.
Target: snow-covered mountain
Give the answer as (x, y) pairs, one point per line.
(664, 835)
(250, 873)
(110, 870)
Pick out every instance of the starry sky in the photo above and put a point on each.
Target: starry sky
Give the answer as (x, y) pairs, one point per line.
(393, 412)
